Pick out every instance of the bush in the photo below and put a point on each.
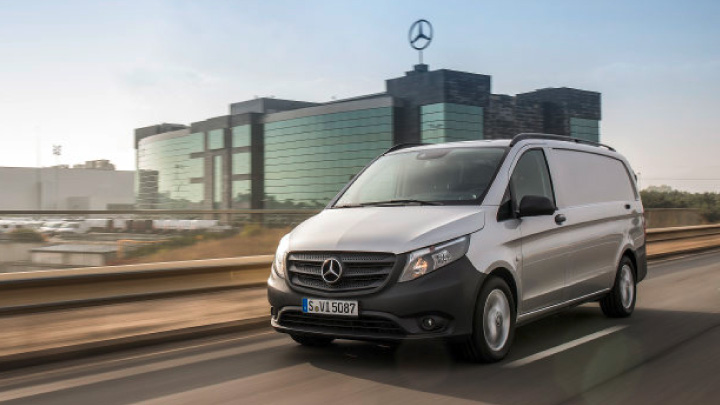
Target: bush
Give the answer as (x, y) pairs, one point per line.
(26, 235)
(177, 242)
(666, 197)
(251, 230)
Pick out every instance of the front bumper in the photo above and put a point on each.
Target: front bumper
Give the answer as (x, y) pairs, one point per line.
(395, 312)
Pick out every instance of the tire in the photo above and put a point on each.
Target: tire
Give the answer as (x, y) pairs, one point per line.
(493, 324)
(620, 301)
(312, 341)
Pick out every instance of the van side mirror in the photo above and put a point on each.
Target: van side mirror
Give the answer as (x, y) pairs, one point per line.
(535, 205)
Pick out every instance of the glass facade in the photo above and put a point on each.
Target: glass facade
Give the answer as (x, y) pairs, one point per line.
(447, 122)
(165, 170)
(241, 136)
(241, 193)
(241, 163)
(308, 160)
(217, 181)
(216, 139)
(588, 130)
(308, 151)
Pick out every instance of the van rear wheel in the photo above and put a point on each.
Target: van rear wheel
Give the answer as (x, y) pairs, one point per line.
(493, 326)
(620, 301)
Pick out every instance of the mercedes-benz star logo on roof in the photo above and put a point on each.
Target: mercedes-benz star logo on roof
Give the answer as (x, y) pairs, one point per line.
(421, 34)
(331, 270)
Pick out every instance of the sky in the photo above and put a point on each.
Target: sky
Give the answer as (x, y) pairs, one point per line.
(85, 74)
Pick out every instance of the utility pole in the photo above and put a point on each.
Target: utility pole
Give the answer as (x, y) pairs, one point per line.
(57, 151)
(38, 171)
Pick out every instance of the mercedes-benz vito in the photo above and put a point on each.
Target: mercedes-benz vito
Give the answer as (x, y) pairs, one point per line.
(464, 241)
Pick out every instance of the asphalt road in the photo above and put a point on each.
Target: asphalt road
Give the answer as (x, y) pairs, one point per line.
(667, 352)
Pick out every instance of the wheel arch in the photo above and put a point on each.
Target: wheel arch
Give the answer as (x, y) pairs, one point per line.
(507, 276)
(630, 254)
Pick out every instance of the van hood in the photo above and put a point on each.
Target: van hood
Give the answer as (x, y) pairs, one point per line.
(385, 229)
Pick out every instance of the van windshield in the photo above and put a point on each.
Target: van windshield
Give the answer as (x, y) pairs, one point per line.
(448, 176)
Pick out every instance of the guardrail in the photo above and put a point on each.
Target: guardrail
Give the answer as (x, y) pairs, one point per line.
(40, 290)
(683, 232)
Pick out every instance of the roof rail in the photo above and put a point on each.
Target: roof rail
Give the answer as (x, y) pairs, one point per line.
(552, 137)
(403, 146)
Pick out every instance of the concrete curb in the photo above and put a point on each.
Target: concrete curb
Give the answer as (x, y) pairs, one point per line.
(45, 356)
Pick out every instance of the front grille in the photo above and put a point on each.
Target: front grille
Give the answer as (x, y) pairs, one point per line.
(364, 325)
(361, 271)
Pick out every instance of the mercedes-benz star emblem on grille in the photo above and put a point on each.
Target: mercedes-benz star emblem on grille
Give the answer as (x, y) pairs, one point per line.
(331, 270)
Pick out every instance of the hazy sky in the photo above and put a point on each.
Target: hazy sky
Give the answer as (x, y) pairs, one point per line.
(84, 74)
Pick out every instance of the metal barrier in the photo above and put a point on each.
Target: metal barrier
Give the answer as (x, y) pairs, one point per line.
(38, 290)
(683, 232)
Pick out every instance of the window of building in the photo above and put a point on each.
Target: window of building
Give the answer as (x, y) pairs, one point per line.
(216, 139)
(308, 160)
(196, 142)
(217, 181)
(241, 194)
(241, 163)
(588, 130)
(447, 122)
(241, 136)
(165, 170)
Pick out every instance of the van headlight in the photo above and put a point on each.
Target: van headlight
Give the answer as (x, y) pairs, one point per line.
(429, 259)
(282, 251)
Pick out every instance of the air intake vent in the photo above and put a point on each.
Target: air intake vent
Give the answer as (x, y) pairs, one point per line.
(365, 325)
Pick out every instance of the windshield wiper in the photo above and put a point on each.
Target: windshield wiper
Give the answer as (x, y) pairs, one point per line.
(399, 202)
(347, 206)
(389, 203)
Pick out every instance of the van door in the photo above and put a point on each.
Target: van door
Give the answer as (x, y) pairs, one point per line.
(544, 256)
(597, 197)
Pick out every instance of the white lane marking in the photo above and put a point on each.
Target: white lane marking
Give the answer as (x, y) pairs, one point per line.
(142, 369)
(567, 345)
(44, 374)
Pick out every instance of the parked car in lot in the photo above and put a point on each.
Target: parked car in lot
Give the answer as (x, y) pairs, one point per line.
(51, 227)
(464, 241)
(9, 226)
(72, 228)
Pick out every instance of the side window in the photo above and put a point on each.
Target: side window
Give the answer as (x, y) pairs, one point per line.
(586, 178)
(531, 177)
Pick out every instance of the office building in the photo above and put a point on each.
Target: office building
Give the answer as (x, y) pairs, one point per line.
(272, 153)
(63, 188)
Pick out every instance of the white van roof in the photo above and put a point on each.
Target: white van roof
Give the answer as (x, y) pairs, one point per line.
(520, 139)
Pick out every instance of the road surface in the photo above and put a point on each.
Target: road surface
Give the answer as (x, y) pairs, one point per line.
(667, 352)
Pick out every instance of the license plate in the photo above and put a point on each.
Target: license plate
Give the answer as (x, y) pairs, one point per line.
(330, 307)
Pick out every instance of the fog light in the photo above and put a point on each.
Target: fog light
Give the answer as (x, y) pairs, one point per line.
(429, 323)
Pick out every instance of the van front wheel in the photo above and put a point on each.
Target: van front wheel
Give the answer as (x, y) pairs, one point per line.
(493, 326)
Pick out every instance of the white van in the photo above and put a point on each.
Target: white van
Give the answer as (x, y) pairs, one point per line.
(464, 241)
